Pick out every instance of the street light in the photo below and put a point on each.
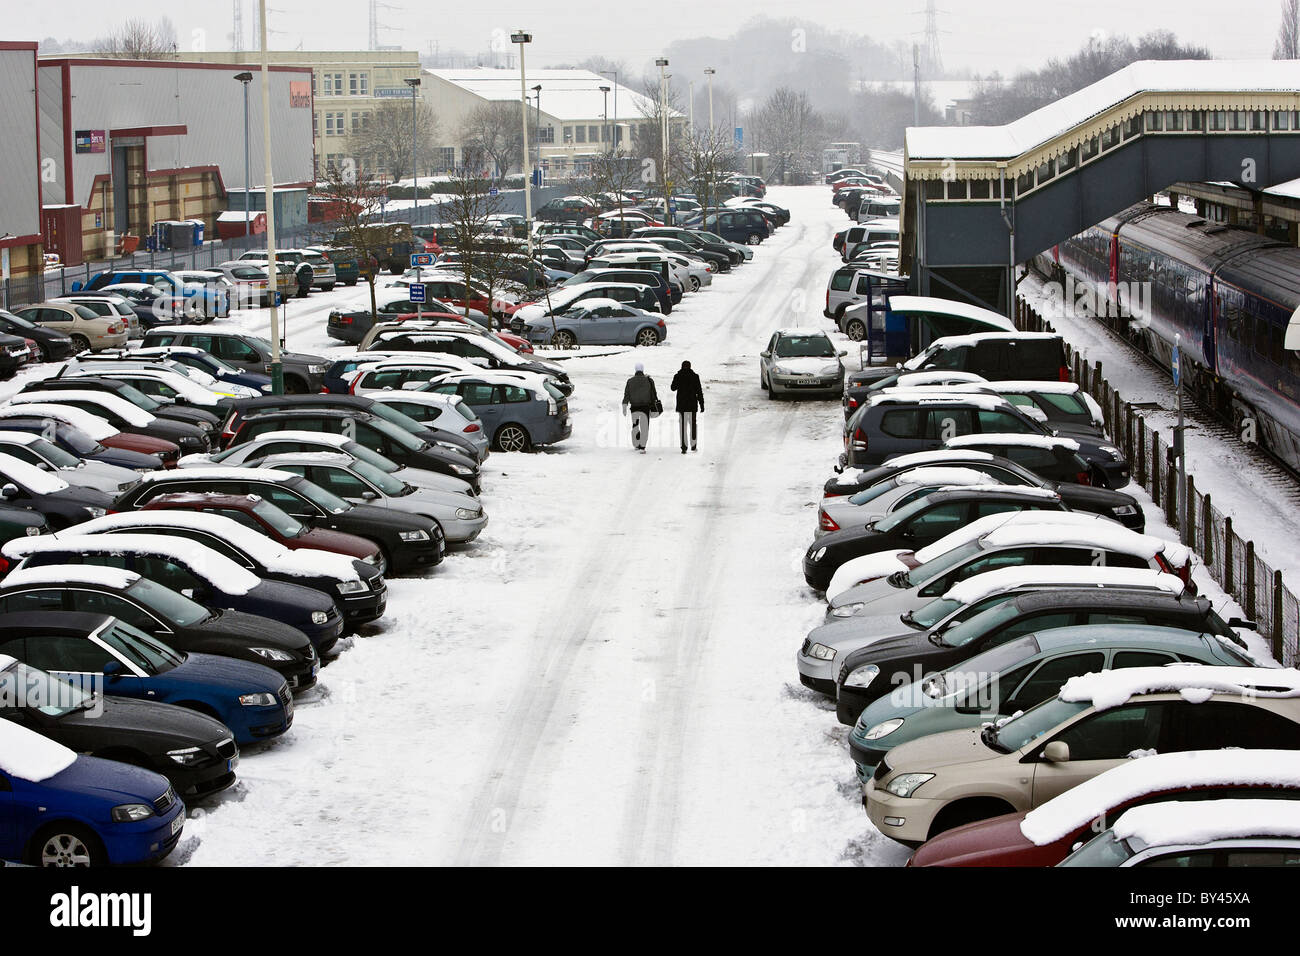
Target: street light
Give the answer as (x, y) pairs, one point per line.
(522, 38)
(613, 73)
(245, 78)
(538, 123)
(662, 62)
(414, 83)
(605, 116)
(709, 71)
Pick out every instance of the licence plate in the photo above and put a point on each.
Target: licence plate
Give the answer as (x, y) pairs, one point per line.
(315, 668)
(178, 823)
(232, 763)
(806, 381)
(288, 708)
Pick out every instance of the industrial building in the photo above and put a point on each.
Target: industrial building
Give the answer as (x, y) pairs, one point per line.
(20, 170)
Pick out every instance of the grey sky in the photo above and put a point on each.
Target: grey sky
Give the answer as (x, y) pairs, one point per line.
(971, 36)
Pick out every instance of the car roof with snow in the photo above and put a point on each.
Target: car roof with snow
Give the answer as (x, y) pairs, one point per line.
(1021, 440)
(982, 526)
(37, 480)
(915, 379)
(1178, 823)
(921, 396)
(59, 574)
(216, 473)
(204, 562)
(980, 586)
(10, 437)
(1094, 798)
(82, 420)
(1194, 682)
(26, 754)
(1110, 536)
(940, 476)
(134, 414)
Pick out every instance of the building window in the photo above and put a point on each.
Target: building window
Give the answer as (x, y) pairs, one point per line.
(1281, 120)
(334, 124)
(593, 134)
(1258, 120)
(981, 188)
(358, 84)
(1237, 120)
(332, 84)
(1110, 137)
(444, 158)
(546, 134)
(1155, 122)
(581, 134)
(360, 121)
(1174, 121)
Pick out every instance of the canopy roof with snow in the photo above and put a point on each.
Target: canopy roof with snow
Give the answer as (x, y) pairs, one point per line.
(566, 94)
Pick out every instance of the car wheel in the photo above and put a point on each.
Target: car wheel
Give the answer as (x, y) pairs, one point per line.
(294, 385)
(647, 337)
(511, 437)
(80, 344)
(695, 284)
(563, 339)
(351, 284)
(328, 288)
(855, 330)
(753, 239)
(66, 844)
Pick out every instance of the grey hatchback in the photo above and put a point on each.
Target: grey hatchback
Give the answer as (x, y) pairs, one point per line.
(801, 362)
(518, 410)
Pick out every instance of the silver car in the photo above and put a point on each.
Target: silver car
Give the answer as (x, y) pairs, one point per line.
(47, 456)
(897, 491)
(801, 362)
(460, 516)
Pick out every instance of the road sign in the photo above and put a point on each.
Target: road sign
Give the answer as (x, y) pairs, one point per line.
(1176, 365)
(494, 191)
(421, 259)
(417, 292)
(740, 136)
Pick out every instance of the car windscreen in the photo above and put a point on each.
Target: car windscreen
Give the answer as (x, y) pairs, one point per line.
(987, 620)
(1023, 730)
(379, 478)
(17, 320)
(318, 496)
(176, 609)
(139, 648)
(48, 694)
(279, 519)
(55, 455)
(804, 346)
(873, 492)
(891, 521)
(938, 565)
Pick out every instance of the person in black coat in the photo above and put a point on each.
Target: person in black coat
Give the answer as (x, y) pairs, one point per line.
(690, 401)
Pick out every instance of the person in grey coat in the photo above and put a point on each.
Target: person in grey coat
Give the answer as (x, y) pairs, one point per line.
(640, 396)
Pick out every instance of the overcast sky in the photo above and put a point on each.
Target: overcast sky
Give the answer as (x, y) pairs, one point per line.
(970, 36)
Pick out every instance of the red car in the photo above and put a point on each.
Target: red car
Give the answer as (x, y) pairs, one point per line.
(272, 521)
(518, 343)
(1081, 813)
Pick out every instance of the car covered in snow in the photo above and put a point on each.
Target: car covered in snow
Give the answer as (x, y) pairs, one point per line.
(89, 436)
(1097, 721)
(897, 491)
(599, 321)
(24, 485)
(519, 411)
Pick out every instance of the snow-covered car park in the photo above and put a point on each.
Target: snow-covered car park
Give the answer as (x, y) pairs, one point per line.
(563, 652)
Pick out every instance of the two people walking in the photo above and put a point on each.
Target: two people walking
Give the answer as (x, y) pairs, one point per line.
(640, 395)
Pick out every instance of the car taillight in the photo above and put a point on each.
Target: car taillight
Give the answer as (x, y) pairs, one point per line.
(471, 427)
(852, 402)
(662, 325)
(352, 389)
(4, 566)
(1064, 373)
(826, 522)
(345, 320)
(1083, 478)
(859, 439)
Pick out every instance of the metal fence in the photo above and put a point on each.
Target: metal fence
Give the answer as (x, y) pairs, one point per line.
(1204, 527)
(56, 282)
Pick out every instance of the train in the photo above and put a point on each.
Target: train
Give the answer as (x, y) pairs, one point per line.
(1231, 297)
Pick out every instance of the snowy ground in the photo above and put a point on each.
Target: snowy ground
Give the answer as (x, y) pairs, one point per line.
(608, 675)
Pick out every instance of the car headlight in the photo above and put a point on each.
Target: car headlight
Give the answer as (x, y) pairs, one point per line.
(257, 700)
(781, 370)
(96, 512)
(267, 387)
(371, 559)
(1124, 510)
(847, 610)
(413, 535)
(832, 369)
(273, 653)
(186, 756)
(1112, 451)
(316, 369)
(821, 652)
(33, 531)
(462, 470)
(131, 812)
(862, 676)
(905, 784)
(467, 514)
(351, 587)
(819, 554)
(884, 729)
(319, 617)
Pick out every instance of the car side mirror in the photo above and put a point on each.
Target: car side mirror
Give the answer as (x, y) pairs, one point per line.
(10, 490)
(369, 495)
(843, 353)
(1058, 751)
(1243, 623)
(113, 670)
(765, 354)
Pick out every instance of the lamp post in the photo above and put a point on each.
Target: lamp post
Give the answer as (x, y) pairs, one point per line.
(537, 103)
(522, 38)
(662, 62)
(690, 98)
(709, 71)
(614, 135)
(245, 78)
(605, 117)
(272, 270)
(414, 83)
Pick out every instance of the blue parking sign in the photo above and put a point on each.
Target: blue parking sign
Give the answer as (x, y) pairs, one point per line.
(494, 191)
(421, 259)
(417, 292)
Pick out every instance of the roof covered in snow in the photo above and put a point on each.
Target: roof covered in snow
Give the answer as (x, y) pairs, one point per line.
(963, 310)
(982, 526)
(1197, 822)
(1093, 799)
(1110, 536)
(119, 406)
(916, 379)
(83, 421)
(942, 476)
(29, 476)
(28, 755)
(1005, 579)
(566, 94)
(1023, 440)
(1195, 682)
(117, 578)
(219, 473)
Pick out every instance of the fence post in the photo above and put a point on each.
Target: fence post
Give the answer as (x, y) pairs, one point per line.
(1141, 439)
(1229, 569)
(1156, 489)
(1278, 649)
(1096, 378)
(1190, 492)
(1171, 498)
(1250, 580)
(1207, 532)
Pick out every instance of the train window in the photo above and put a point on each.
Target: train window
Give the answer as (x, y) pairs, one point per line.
(1258, 120)
(1275, 349)
(1173, 121)
(1090, 149)
(1218, 121)
(981, 188)
(1281, 119)
(1154, 121)
(1261, 336)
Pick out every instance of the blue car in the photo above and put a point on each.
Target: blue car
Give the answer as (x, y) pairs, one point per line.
(61, 809)
(251, 699)
(196, 358)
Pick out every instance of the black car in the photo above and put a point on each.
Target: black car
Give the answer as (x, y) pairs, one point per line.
(470, 346)
(1117, 505)
(406, 541)
(367, 430)
(918, 524)
(196, 753)
(206, 576)
(302, 372)
(76, 442)
(995, 356)
(726, 256)
(14, 354)
(919, 651)
(54, 345)
(199, 418)
(178, 621)
(361, 596)
(19, 522)
(190, 439)
(438, 438)
(644, 277)
(24, 485)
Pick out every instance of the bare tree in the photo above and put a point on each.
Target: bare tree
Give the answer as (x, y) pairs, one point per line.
(468, 204)
(711, 157)
(647, 138)
(384, 140)
(493, 132)
(138, 39)
(359, 203)
(1287, 46)
(793, 133)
